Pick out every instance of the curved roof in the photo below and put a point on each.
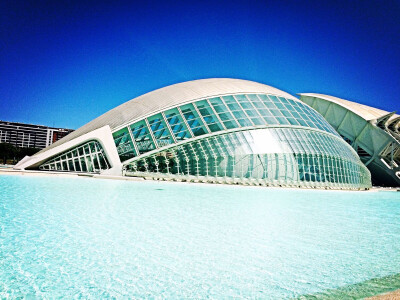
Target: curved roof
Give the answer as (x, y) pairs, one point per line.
(389, 122)
(366, 112)
(169, 96)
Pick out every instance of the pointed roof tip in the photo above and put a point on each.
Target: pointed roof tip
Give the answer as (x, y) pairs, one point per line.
(384, 120)
(366, 112)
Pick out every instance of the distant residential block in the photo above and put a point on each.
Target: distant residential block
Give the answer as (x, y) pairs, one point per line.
(30, 135)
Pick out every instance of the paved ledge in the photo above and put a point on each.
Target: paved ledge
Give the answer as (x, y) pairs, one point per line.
(395, 295)
(8, 170)
(380, 288)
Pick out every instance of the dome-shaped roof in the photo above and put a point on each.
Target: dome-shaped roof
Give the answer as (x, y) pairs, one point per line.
(171, 96)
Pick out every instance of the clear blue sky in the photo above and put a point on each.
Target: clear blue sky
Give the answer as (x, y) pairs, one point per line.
(65, 63)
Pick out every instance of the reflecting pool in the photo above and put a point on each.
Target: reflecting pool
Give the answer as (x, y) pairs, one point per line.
(92, 238)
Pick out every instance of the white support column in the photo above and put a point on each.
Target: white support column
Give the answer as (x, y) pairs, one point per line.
(151, 133)
(216, 114)
(201, 117)
(169, 127)
(184, 120)
(133, 140)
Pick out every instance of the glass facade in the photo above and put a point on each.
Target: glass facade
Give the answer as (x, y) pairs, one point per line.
(207, 116)
(88, 158)
(258, 139)
(241, 138)
(275, 156)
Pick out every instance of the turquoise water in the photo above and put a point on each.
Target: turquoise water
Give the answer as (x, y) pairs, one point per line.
(82, 237)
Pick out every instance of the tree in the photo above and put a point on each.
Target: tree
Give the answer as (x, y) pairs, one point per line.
(7, 151)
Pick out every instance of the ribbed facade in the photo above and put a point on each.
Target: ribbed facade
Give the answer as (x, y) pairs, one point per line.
(373, 133)
(218, 130)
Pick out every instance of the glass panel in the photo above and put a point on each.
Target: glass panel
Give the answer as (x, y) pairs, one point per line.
(142, 137)
(244, 102)
(256, 101)
(282, 121)
(124, 144)
(71, 166)
(230, 124)
(77, 166)
(92, 147)
(271, 120)
(223, 113)
(237, 111)
(293, 121)
(232, 104)
(177, 124)
(258, 121)
(95, 163)
(103, 164)
(193, 119)
(286, 113)
(209, 116)
(160, 130)
(86, 148)
(83, 164)
(90, 164)
(302, 158)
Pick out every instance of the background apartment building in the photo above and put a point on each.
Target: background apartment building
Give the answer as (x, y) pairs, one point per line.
(29, 135)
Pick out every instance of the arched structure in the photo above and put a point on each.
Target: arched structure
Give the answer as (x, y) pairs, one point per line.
(215, 130)
(372, 132)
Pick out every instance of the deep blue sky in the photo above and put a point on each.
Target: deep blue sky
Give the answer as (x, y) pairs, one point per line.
(65, 63)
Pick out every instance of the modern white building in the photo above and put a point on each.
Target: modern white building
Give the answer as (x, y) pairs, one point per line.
(372, 132)
(213, 130)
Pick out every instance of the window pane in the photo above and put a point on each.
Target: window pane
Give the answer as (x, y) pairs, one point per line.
(103, 164)
(160, 130)
(83, 164)
(224, 113)
(123, 142)
(177, 124)
(77, 166)
(209, 116)
(142, 137)
(230, 124)
(194, 120)
(244, 102)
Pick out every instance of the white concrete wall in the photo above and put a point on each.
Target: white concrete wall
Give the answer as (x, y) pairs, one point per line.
(103, 135)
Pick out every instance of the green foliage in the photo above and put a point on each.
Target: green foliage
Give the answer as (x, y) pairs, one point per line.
(10, 152)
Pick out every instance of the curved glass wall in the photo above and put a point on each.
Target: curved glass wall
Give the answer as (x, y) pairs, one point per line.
(88, 158)
(274, 156)
(212, 115)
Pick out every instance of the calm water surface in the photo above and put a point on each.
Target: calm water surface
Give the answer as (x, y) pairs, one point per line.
(81, 237)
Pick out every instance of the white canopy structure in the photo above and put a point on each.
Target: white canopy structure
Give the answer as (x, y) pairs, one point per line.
(372, 132)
